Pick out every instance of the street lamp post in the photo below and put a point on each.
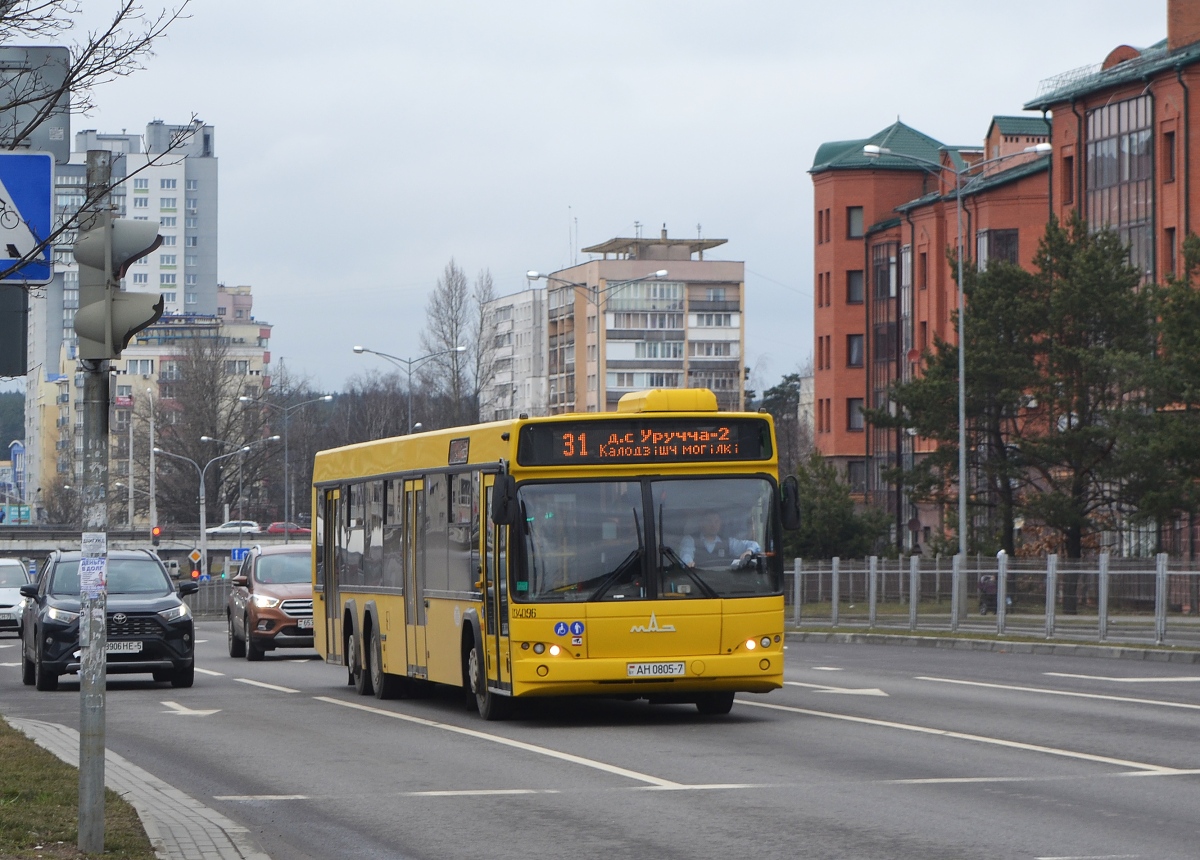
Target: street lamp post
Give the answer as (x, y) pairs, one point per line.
(408, 364)
(202, 471)
(286, 411)
(241, 464)
(153, 496)
(873, 151)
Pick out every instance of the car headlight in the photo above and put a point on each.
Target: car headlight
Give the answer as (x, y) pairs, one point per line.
(62, 616)
(262, 601)
(180, 611)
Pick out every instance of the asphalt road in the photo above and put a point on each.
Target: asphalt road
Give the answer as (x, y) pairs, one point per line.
(869, 752)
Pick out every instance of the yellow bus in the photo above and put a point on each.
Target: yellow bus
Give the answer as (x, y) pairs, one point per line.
(632, 554)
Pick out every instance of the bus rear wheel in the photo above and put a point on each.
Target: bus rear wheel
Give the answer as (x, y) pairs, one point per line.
(387, 686)
(361, 672)
(490, 706)
(715, 704)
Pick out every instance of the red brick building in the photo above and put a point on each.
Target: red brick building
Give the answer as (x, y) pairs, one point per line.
(1123, 153)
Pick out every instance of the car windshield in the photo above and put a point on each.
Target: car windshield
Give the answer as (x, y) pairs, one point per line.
(593, 540)
(125, 576)
(284, 569)
(12, 576)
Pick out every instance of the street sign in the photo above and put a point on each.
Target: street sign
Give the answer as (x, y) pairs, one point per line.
(239, 554)
(194, 555)
(26, 214)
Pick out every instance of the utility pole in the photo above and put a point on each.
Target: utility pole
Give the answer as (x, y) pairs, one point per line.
(106, 320)
(93, 595)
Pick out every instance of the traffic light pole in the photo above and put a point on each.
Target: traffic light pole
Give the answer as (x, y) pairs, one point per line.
(94, 601)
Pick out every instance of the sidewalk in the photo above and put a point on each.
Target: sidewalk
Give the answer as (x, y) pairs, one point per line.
(1070, 649)
(179, 827)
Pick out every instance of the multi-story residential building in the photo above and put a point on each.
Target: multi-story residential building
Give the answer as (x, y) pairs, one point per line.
(614, 327)
(517, 370)
(1120, 134)
(169, 176)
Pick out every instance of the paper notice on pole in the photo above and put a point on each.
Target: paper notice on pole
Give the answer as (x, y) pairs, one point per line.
(93, 575)
(95, 543)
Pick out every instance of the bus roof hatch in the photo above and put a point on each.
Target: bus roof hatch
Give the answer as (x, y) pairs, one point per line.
(669, 400)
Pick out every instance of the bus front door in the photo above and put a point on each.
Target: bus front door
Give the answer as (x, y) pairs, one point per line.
(495, 597)
(328, 577)
(414, 587)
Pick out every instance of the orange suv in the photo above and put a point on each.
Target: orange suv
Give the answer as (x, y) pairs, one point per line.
(270, 603)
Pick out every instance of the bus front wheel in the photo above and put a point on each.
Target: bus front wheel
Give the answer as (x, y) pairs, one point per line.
(715, 704)
(490, 706)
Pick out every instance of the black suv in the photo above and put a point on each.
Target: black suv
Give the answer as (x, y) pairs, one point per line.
(149, 627)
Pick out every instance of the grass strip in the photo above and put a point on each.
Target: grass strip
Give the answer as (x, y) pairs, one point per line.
(39, 808)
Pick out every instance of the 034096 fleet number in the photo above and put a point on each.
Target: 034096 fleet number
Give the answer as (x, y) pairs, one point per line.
(523, 612)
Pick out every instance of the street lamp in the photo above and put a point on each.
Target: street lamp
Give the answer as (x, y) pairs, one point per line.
(408, 364)
(286, 411)
(241, 463)
(201, 471)
(873, 151)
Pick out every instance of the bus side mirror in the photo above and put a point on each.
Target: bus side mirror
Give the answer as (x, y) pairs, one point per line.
(505, 511)
(789, 503)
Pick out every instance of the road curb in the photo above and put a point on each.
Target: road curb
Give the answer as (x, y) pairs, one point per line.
(1110, 652)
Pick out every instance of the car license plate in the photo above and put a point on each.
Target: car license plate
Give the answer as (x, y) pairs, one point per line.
(654, 670)
(8, 616)
(123, 647)
(304, 623)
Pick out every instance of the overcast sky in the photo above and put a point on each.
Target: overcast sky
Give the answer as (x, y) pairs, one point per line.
(362, 145)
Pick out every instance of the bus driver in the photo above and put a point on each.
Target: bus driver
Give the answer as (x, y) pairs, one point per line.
(710, 548)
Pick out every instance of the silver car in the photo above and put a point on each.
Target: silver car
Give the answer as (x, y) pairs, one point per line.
(12, 577)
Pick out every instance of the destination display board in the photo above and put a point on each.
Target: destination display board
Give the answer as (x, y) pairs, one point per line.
(613, 441)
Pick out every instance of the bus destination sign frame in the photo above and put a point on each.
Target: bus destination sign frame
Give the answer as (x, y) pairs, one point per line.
(622, 441)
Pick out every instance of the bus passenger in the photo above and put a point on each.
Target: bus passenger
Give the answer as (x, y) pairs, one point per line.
(711, 549)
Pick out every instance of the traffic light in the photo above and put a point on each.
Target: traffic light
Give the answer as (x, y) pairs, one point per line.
(155, 534)
(108, 317)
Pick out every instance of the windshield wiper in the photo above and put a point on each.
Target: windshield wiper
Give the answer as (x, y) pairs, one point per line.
(617, 575)
(704, 587)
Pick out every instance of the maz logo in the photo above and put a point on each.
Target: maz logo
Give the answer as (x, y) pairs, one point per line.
(652, 627)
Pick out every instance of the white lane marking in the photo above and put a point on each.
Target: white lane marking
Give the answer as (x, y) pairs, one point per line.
(473, 733)
(10, 664)
(1182, 680)
(209, 672)
(847, 691)
(1069, 693)
(9, 645)
(261, 797)
(963, 736)
(1093, 857)
(477, 792)
(184, 711)
(826, 669)
(716, 786)
(266, 686)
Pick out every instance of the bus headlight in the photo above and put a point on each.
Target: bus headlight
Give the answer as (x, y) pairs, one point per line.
(554, 649)
(751, 644)
(766, 642)
(539, 648)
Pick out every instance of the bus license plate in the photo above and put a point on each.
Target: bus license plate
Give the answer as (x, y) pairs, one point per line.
(654, 670)
(123, 647)
(304, 623)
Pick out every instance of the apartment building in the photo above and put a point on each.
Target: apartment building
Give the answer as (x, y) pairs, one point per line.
(615, 325)
(518, 354)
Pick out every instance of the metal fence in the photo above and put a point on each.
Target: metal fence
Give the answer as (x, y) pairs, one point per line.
(1119, 601)
(209, 602)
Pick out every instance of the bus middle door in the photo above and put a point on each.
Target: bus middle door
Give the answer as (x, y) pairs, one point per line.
(414, 587)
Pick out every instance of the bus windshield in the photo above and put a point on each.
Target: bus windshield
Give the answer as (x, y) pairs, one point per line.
(655, 538)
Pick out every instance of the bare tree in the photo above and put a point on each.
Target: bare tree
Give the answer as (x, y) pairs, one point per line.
(447, 326)
(483, 340)
(61, 502)
(52, 82)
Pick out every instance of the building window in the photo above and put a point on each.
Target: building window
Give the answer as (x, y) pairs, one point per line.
(141, 203)
(1169, 251)
(713, 320)
(192, 203)
(221, 311)
(167, 203)
(166, 280)
(191, 241)
(854, 222)
(141, 183)
(885, 341)
(854, 350)
(166, 259)
(167, 221)
(922, 270)
(141, 278)
(166, 183)
(1119, 182)
(716, 294)
(192, 299)
(996, 245)
(169, 297)
(1168, 157)
(1068, 180)
(190, 280)
(143, 366)
(856, 476)
(191, 222)
(854, 413)
(710, 349)
(854, 287)
(190, 259)
(168, 240)
(193, 185)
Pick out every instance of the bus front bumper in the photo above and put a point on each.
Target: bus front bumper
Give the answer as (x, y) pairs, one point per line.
(565, 675)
